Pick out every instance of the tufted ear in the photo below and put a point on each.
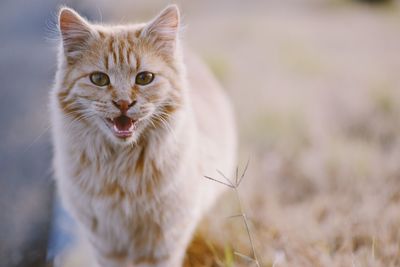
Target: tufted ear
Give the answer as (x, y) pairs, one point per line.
(75, 32)
(162, 32)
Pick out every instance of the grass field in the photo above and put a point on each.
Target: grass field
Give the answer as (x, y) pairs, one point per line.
(316, 91)
(315, 85)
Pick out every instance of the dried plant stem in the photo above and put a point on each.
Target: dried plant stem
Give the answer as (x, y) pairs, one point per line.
(235, 187)
(246, 223)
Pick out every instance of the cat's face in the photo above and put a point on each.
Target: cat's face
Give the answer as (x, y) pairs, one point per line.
(120, 80)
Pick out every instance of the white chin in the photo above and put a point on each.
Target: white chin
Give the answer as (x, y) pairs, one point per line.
(124, 138)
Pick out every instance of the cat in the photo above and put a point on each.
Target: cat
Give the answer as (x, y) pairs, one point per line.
(137, 121)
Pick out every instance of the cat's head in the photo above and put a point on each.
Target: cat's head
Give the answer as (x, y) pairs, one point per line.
(120, 80)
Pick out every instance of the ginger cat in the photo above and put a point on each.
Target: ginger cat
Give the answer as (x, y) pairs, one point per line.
(136, 124)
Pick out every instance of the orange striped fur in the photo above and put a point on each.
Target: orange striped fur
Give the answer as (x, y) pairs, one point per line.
(138, 198)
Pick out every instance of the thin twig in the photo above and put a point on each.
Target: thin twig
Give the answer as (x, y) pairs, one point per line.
(235, 187)
(36, 139)
(227, 179)
(246, 223)
(244, 256)
(244, 171)
(215, 180)
(237, 175)
(235, 216)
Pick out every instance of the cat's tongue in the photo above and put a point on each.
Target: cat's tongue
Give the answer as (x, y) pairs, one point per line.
(123, 126)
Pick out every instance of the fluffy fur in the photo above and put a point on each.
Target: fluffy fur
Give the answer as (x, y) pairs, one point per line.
(138, 199)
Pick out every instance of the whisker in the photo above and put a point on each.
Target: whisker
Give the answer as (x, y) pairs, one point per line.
(36, 139)
(165, 122)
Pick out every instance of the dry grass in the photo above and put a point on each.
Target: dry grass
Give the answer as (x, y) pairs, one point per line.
(315, 85)
(320, 117)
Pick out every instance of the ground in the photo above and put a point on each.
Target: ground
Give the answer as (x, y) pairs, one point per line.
(315, 86)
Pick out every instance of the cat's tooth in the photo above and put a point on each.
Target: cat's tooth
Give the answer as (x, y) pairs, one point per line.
(115, 128)
(131, 128)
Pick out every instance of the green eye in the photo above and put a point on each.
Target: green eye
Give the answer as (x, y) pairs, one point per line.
(144, 78)
(99, 79)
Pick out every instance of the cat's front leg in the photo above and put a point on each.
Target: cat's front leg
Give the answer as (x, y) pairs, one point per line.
(112, 259)
(164, 262)
(174, 259)
(106, 252)
(171, 252)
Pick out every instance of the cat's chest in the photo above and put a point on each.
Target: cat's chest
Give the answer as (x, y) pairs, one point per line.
(118, 186)
(126, 174)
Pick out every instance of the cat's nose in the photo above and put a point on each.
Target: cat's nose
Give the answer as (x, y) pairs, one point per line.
(123, 105)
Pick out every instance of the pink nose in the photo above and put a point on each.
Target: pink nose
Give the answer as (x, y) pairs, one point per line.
(123, 105)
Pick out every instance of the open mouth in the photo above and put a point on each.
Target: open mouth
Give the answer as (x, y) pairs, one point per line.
(122, 126)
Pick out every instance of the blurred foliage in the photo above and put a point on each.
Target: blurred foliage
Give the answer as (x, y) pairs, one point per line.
(285, 130)
(326, 140)
(218, 65)
(375, 1)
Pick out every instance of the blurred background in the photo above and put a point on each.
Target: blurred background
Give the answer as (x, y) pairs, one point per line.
(316, 88)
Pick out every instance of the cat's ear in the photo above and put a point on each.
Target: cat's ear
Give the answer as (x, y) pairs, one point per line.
(75, 31)
(163, 31)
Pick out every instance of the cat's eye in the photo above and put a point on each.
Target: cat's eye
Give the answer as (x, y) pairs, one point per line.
(99, 78)
(144, 78)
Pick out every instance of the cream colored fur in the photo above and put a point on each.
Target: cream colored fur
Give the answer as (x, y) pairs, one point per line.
(138, 200)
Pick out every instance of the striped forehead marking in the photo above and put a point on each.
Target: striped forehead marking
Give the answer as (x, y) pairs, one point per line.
(119, 53)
